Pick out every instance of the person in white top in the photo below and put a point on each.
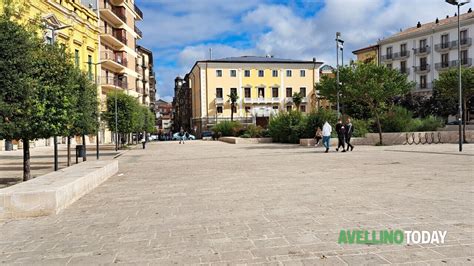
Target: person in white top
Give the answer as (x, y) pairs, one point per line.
(327, 129)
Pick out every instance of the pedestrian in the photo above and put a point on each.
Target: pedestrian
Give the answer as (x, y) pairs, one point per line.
(318, 136)
(327, 129)
(341, 132)
(349, 131)
(181, 135)
(143, 142)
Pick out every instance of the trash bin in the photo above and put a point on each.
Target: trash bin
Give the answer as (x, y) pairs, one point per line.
(80, 150)
(8, 145)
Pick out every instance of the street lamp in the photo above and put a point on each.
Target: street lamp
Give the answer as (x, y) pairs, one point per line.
(55, 138)
(459, 4)
(96, 85)
(339, 45)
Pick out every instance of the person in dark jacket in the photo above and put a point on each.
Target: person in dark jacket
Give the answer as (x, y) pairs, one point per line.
(349, 131)
(341, 133)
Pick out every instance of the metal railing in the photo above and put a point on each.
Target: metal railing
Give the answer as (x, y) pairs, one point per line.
(422, 50)
(114, 81)
(138, 11)
(401, 55)
(422, 68)
(139, 32)
(119, 11)
(117, 57)
(219, 100)
(118, 34)
(387, 57)
(453, 63)
(405, 70)
(466, 41)
(446, 46)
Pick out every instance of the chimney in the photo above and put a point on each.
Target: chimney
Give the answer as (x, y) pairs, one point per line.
(455, 14)
(470, 10)
(437, 21)
(314, 59)
(447, 16)
(418, 25)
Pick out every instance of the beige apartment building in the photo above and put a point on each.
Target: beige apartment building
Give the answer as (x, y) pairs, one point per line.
(119, 57)
(145, 83)
(265, 86)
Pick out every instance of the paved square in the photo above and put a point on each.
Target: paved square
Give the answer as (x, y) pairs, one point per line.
(217, 203)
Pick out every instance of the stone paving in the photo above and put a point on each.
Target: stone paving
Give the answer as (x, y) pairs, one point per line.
(215, 204)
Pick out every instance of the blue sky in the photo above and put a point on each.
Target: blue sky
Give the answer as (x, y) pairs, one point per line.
(179, 32)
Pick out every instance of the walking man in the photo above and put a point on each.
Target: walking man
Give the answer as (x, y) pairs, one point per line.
(327, 129)
(349, 131)
(341, 132)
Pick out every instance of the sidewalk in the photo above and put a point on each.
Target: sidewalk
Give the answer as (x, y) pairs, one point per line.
(42, 161)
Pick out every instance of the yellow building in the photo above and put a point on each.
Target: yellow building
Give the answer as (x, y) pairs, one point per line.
(368, 54)
(265, 86)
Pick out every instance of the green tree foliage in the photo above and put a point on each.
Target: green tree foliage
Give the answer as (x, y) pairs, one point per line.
(373, 86)
(233, 98)
(227, 128)
(297, 99)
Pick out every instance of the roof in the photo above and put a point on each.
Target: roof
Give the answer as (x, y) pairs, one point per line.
(160, 101)
(327, 68)
(430, 26)
(257, 59)
(368, 48)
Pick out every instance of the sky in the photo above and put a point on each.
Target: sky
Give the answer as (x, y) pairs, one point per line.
(180, 32)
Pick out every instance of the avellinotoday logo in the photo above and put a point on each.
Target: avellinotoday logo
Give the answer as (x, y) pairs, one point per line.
(391, 237)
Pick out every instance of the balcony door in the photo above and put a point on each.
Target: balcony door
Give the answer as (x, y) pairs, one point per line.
(444, 41)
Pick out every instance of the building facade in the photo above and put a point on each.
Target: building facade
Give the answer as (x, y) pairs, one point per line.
(369, 54)
(265, 86)
(164, 116)
(145, 81)
(182, 104)
(424, 51)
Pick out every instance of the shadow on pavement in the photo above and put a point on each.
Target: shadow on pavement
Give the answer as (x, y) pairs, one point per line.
(434, 152)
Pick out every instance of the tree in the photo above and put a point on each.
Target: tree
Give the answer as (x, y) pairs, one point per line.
(297, 99)
(445, 93)
(233, 98)
(33, 100)
(373, 86)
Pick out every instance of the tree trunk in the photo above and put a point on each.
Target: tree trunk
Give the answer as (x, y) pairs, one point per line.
(84, 147)
(232, 112)
(68, 151)
(379, 127)
(26, 160)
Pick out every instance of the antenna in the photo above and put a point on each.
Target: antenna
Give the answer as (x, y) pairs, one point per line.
(210, 53)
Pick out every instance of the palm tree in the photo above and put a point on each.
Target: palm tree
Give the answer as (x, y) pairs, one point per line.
(297, 99)
(233, 97)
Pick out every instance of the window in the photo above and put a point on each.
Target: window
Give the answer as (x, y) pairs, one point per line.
(247, 73)
(233, 90)
(423, 46)
(389, 66)
(288, 108)
(288, 73)
(423, 82)
(403, 49)
(289, 92)
(89, 71)
(76, 57)
(444, 41)
(261, 92)
(403, 67)
(233, 73)
(302, 73)
(463, 37)
(219, 109)
(464, 57)
(247, 92)
(260, 73)
(247, 109)
(274, 92)
(275, 107)
(389, 52)
(275, 73)
(423, 65)
(219, 93)
(303, 108)
(303, 91)
(445, 60)
(218, 73)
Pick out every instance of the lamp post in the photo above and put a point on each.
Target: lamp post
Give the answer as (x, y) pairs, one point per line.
(55, 138)
(460, 118)
(339, 44)
(96, 85)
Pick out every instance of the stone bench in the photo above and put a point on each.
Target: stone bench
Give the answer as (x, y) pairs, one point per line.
(51, 193)
(235, 140)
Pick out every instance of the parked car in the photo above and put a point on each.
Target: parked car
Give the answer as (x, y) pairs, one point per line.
(153, 137)
(187, 136)
(207, 135)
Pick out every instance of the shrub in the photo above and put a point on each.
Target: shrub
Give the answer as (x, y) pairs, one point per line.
(398, 119)
(254, 131)
(430, 123)
(361, 127)
(317, 119)
(284, 127)
(227, 128)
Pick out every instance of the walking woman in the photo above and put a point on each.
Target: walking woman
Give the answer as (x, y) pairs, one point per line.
(349, 131)
(341, 133)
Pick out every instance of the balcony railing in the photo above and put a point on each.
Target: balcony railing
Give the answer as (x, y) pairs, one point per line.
(275, 99)
(453, 63)
(119, 34)
(466, 42)
(219, 100)
(138, 11)
(247, 100)
(117, 57)
(114, 81)
(422, 50)
(139, 32)
(401, 55)
(405, 70)
(446, 46)
(426, 86)
(119, 11)
(422, 68)
(387, 57)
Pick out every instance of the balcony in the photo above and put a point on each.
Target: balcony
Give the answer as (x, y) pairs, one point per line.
(424, 87)
(139, 32)
(114, 60)
(289, 99)
(138, 11)
(405, 70)
(247, 100)
(422, 50)
(115, 37)
(387, 57)
(115, 14)
(466, 42)
(466, 62)
(304, 100)
(446, 46)
(401, 55)
(275, 99)
(114, 82)
(219, 101)
(422, 69)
